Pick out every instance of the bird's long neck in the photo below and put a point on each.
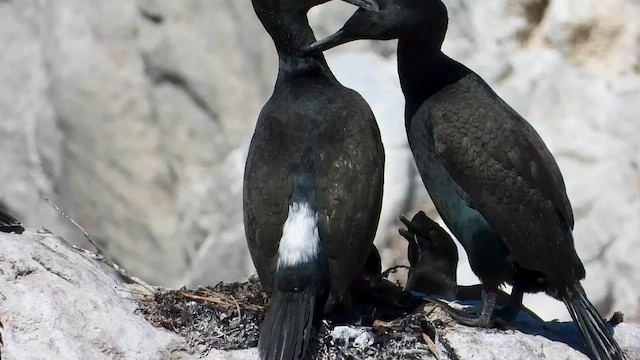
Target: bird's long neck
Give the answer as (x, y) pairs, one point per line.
(291, 33)
(424, 70)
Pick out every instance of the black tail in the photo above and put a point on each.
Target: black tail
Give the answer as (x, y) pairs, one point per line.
(598, 338)
(8, 223)
(287, 326)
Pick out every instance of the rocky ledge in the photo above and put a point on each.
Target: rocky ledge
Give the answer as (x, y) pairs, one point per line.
(57, 303)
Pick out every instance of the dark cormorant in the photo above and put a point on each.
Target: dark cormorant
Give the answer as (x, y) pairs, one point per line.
(488, 172)
(433, 259)
(312, 185)
(8, 223)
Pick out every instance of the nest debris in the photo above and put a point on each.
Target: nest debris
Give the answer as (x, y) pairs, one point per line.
(224, 317)
(411, 337)
(228, 316)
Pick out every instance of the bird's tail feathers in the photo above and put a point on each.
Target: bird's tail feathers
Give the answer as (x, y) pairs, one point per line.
(286, 329)
(598, 338)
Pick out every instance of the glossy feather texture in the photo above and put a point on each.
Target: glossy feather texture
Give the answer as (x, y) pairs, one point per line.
(315, 171)
(509, 175)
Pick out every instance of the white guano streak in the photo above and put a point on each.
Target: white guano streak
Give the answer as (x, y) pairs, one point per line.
(300, 241)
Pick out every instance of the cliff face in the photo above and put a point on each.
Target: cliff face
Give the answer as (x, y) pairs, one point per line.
(135, 116)
(127, 111)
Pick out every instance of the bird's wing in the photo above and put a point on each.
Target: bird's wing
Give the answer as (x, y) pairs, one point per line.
(268, 186)
(348, 167)
(506, 170)
(350, 186)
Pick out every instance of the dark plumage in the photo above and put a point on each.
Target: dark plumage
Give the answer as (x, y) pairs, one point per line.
(8, 223)
(312, 185)
(433, 259)
(488, 172)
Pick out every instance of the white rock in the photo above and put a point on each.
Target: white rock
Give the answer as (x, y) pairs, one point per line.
(57, 304)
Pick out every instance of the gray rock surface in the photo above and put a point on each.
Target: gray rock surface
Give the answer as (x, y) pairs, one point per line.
(135, 116)
(138, 104)
(58, 304)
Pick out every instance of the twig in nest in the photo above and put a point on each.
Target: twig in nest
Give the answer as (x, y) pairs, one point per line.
(387, 325)
(98, 255)
(217, 300)
(393, 269)
(433, 348)
(237, 305)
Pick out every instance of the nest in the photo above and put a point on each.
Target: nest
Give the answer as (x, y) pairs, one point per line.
(411, 337)
(228, 316)
(225, 316)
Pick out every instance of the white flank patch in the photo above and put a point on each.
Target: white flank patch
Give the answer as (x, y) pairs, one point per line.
(300, 241)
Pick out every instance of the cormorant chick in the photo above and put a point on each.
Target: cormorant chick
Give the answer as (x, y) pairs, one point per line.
(433, 259)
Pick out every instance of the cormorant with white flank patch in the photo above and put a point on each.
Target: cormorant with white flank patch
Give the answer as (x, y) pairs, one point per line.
(8, 223)
(312, 185)
(488, 172)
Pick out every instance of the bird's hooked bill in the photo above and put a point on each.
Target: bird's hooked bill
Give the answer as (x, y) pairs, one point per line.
(369, 5)
(327, 43)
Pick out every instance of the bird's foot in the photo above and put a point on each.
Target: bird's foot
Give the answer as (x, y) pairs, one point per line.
(472, 319)
(468, 317)
(484, 319)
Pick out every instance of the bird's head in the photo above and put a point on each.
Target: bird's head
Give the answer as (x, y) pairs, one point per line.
(431, 250)
(423, 21)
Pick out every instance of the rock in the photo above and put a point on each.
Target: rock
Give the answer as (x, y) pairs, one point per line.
(135, 116)
(58, 302)
(30, 137)
(139, 103)
(50, 292)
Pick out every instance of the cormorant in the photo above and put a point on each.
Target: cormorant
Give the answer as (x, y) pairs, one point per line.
(433, 257)
(8, 223)
(312, 185)
(433, 260)
(488, 172)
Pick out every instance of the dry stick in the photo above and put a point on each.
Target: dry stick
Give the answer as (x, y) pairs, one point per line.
(237, 306)
(433, 348)
(393, 269)
(99, 255)
(216, 299)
